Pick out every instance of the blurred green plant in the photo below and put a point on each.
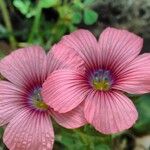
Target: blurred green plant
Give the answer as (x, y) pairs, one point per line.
(46, 32)
(143, 106)
(85, 138)
(7, 21)
(2, 145)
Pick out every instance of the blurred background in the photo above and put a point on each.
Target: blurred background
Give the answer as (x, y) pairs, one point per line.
(44, 22)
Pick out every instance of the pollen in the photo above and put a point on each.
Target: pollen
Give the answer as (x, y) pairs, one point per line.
(102, 85)
(41, 105)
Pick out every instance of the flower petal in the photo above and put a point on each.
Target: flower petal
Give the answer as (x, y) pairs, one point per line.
(61, 57)
(118, 48)
(29, 130)
(110, 112)
(64, 90)
(84, 43)
(135, 78)
(11, 101)
(72, 119)
(25, 66)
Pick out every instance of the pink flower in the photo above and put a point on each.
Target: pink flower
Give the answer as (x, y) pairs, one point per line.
(112, 67)
(21, 103)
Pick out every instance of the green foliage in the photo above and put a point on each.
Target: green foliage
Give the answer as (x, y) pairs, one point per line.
(49, 3)
(77, 17)
(2, 146)
(25, 7)
(88, 2)
(70, 14)
(3, 31)
(90, 16)
(143, 107)
(86, 138)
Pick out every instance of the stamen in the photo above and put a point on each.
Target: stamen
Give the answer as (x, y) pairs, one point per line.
(36, 100)
(102, 80)
(41, 105)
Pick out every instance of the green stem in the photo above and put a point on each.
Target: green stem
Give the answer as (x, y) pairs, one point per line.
(8, 24)
(36, 23)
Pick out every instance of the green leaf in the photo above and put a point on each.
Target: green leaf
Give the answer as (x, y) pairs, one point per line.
(22, 5)
(143, 107)
(77, 17)
(78, 5)
(48, 3)
(25, 7)
(90, 17)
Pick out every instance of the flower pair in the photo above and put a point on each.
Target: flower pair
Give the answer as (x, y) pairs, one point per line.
(79, 81)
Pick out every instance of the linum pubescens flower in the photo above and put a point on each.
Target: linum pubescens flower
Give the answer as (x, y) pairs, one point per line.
(21, 102)
(112, 66)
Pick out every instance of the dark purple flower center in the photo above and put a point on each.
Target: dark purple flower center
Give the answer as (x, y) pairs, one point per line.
(101, 80)
(37, 101)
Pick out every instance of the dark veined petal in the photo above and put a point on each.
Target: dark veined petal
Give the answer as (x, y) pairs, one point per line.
(85, 44)
(110, 112)
(72, 119)
(117, 48)
(11, 101)
(135, 78)
(61, 56)
(25, 67)
(29, 130)
(64, 90)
